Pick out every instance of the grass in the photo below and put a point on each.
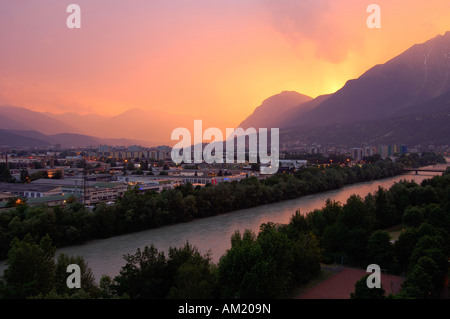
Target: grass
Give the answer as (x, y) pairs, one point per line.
(322, 276)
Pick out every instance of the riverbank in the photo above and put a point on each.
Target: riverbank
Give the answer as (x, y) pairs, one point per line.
(105, 256)
(74, 224)
(213, 234)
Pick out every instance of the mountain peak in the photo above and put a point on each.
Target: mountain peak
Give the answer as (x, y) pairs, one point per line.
(274, 106)
(397, 87)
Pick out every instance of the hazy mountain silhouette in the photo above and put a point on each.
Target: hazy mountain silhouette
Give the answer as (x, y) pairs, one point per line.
(83, 122)
(149, 128)
(19, 118)
(12, 139)
(273, 107)
(19, 138)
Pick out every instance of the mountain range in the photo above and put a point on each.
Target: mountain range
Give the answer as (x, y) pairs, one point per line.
(408, 92)
(23, 127)
(405, 100)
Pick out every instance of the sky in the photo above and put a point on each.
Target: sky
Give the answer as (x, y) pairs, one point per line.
(215, 60)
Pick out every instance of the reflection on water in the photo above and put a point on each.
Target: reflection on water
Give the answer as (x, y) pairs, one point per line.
(213, 233)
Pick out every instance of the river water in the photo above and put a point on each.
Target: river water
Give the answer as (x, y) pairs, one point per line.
(105, 256)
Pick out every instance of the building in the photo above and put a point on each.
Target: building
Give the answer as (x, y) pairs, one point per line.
(5, 197)
(30, 190)
(368, 151)
(384, 151)
(104, 148)
(285, 165)
(357, 153)
(51, 201)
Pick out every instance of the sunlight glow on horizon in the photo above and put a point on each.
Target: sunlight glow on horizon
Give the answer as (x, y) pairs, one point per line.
(217, 60)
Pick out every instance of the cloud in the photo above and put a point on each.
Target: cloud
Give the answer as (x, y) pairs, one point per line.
(334, 28)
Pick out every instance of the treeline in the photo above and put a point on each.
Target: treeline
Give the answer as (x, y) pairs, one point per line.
(273, 262)
(415, 160)
(267, 265)
(354, 233)
(74, 224)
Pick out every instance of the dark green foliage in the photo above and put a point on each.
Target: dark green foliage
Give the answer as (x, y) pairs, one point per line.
(149, 274)
(135, 211)
(380, 250)
(5, 174)
(269, 265)
(413, 216)
(33, 273)
(415, 160)
(30, 268)
(405, 245)
(364, 292)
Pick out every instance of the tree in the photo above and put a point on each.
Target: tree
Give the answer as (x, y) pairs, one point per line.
(192, 274)
(405, 245)
(87, 278)
(130, 166)
(362, 291)
(413, 216)
(418, 284)
(144, 276)
(160, 163)
(5, 174)
(24, 176)
(356, 214)
(385, 212)
(244, 270)
(30, 268)
(380, 250)
(144, 165)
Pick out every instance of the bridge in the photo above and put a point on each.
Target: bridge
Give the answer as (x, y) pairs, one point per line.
(417, 170)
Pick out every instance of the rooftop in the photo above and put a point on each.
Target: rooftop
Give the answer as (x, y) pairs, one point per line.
(47, 199)
(18, 187)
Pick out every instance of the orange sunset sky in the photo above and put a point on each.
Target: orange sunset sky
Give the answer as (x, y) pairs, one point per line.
(215, 60)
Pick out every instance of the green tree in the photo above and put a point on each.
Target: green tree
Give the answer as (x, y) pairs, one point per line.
(244, 271)
(193, 274)
(380, 250)
(362, 291)
(405, 245)
(418, 284)
(87, 278)
(130, 166)
(30, 268)
(5, 174)
(144, 275)
(413, 216)
(144, 165)
(356, 214)
(385, 212)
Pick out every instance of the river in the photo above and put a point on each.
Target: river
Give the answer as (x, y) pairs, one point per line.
(105, 256)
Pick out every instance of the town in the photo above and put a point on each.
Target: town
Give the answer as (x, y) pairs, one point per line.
(104, 173)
